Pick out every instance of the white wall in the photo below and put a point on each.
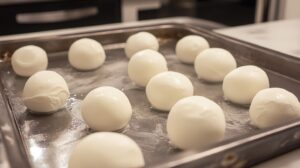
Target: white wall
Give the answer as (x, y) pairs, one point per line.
(289, 9)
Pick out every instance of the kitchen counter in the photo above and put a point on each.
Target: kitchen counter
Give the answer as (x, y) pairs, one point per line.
(282, 36)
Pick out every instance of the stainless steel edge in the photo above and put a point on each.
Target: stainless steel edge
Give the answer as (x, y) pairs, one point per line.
(56, 16)
(10, 136)
(64, 32)
(4, 162)
(244, 152)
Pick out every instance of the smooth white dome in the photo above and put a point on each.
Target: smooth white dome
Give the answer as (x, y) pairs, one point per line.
(107, 150)
(144, 64)
(28, 60)
(166, 88)
(195, 122)
(106, 109)
(273, 106)
(214, 64)
(140, 41)
(189, 47)
(241, 84)
(86, 54)
(45, 91)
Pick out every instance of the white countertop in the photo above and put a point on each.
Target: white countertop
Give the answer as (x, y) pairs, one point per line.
(282, 36)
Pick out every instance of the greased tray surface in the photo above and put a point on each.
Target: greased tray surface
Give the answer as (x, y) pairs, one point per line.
(48, 140)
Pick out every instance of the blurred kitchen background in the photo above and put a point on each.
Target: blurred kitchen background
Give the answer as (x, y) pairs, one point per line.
(21, 16)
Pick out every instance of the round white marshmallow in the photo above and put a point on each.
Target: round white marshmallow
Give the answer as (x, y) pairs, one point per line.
(273, 106)
(214, 64)
(144, 64)
(195, 122)
(28, 60)
(166, 88)
(106, 109)
(241, 84)
(140, 41)
(189, 47)
(106, 149)
(86, 54)
(45, 91)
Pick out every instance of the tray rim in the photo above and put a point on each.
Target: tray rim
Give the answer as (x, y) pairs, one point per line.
(105, 27)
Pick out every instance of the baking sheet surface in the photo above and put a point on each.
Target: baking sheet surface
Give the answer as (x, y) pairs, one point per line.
(49, 139)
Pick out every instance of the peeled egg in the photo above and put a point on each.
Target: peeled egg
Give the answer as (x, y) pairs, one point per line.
(241, 84)
(106, 109)
(144, 64)
(86, 54)
(214, 64)
(195, 122)
(106, 149)
(166, 88)
(140, 41)
(28, 60)
(189, 47)
(45, 91)
(273, 106)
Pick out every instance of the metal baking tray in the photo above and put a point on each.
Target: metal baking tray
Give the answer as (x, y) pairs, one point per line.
(46, 141)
